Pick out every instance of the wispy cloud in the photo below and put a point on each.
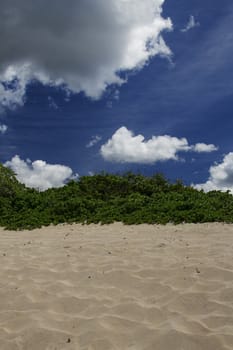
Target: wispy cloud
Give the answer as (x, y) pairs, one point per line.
(3, 128)
(125, 147)
(94, 140)
(203, 72)
(52, 103)
(192, 23)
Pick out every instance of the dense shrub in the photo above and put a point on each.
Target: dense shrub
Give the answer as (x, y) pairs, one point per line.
(105, 198)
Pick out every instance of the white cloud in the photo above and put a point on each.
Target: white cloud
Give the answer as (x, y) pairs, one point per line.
(3, 128)
(191, 24)
(39, 174)
(221, 176)
(124, 147)
(202, 147)
(13, 83)
(82, 47)
(94, 140)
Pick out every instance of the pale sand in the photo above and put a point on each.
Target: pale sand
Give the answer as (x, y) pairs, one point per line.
(117, 287)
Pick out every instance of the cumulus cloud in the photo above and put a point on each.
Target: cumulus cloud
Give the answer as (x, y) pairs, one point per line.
(3, 128)
(39, 174)
(202, 147)
(81, 46)
(192, 23)
(221, 176)
(124, 147)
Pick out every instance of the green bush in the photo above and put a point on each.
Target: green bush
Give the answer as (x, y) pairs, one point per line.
(106, 198)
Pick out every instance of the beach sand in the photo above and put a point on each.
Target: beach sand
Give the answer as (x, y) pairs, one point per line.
(117, 287)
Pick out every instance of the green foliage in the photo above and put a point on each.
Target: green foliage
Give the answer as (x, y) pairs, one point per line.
(106, 198)
(9, 185)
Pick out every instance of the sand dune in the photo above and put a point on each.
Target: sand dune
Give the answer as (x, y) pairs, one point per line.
(116, 287)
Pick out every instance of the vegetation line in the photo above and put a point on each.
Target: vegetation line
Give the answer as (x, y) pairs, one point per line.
(106, 198)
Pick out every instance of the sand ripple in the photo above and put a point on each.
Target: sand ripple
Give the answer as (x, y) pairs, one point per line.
(117, 288)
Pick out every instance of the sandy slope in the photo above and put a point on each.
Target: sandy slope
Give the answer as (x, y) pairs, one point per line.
(117, 287)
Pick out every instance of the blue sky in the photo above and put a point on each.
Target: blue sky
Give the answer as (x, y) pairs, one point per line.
(176, 94)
